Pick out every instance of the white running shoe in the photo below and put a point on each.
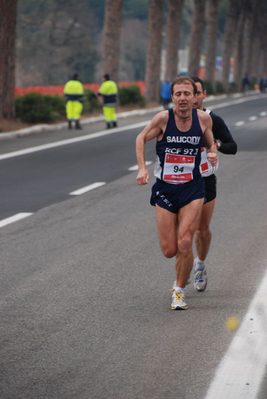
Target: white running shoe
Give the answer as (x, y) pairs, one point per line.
(178, 302)
(200, 279)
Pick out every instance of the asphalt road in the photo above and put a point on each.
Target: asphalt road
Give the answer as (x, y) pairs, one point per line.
(85, 307)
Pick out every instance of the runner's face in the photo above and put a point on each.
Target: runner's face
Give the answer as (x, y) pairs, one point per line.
(183, 96)
(199, 97)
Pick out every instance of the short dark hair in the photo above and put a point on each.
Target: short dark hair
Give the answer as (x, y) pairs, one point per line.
(75, 76)
(198, 80)
(183, 79)
(106, 76)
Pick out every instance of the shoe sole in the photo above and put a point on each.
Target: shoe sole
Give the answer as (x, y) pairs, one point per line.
(179, 308)
(201, 289)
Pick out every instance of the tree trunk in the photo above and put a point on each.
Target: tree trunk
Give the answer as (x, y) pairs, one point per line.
(8, 19)
(229, 38)
(264, 61)
(238, 52)
(153, 61)
(255, 58)
(262, 34)
(173, 32)
(250, 27)
(210, 55)
(111, 38)
(197, 26)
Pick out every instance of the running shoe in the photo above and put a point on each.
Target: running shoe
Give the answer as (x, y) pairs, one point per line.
(200, 279)
(178, 302)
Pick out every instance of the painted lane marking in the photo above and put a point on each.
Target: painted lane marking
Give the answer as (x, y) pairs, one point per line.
(252, 118)
(242, 369)
(71, 141)
(87, 188)
(105, 133)
(228, 104)
(240, 123)
(14, 218)
(135, 167)
(264, 113)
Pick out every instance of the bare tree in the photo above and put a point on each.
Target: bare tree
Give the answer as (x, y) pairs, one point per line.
(153, 61)
(197, 26)
(8, 19)
(133, 52)
(175, 8)
(229, 39)
(111, 38)
(256, 57)
(262, 35)
(57, 37)
(252, 10)
(210, 54)
(238, 51)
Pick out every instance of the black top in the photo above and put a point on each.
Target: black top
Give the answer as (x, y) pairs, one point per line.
(222, 133)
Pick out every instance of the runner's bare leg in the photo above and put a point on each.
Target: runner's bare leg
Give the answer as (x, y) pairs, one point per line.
(188, 219)
(203, 234)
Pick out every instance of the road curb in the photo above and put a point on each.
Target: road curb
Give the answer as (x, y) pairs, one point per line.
(58, 126)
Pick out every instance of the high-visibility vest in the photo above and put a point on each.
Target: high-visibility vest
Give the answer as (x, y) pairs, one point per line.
(108, 91)
(73, 90)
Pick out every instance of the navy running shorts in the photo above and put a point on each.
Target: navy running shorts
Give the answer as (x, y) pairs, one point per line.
(172, 197)
(210, 188)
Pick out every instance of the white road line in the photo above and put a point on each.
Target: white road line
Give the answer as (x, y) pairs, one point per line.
(71, 141)
(242, 369)
(108, 132)
(264, 113)
(228, 104)
(240, 123)
(252, 118)
(135, 167)
(88, 188)
(14, 218)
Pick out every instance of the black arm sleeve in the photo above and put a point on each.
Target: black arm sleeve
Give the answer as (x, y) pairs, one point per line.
(222, 133)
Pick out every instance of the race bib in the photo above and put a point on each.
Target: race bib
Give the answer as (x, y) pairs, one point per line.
(178, 168)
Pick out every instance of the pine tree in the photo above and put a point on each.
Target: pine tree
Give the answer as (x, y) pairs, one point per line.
(8, 18)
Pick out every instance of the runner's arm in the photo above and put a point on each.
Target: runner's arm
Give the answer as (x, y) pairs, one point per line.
(223, 137)
(206, 124)
(152, 130)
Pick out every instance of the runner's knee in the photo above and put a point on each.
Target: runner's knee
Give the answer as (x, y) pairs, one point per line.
(169, 251)
(185, 244)
(203, 231)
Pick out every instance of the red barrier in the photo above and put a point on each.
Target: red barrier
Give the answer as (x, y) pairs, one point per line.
(52, 90)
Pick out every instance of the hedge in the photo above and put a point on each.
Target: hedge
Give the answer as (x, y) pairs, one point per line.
(34, 107)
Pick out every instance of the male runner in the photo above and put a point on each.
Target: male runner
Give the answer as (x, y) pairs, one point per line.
(179, 190)
(225, 144)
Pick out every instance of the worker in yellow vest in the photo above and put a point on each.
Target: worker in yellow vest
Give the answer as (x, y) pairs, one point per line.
(73, 92)
(108, 91)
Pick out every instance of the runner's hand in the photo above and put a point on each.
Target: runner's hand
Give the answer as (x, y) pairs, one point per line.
(142, 177)
(212, 158)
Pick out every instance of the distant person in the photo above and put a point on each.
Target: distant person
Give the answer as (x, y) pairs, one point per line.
(263, 83)
(73, 92)
(245, 82)
(165, 93)
(108, 91)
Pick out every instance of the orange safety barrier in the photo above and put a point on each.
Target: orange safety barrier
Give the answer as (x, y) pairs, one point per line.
(52, 90)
